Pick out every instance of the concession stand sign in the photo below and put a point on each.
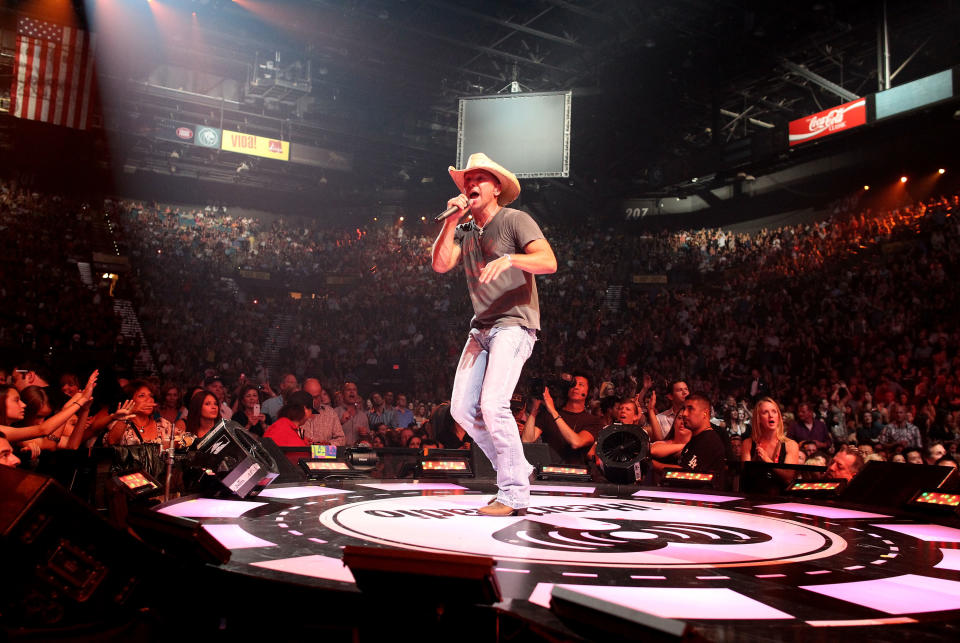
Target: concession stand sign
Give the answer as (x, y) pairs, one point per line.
(831, 121)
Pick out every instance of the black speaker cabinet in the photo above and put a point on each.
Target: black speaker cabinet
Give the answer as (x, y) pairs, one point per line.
(893, 484)
(536, 454)
(433, 578)
(64, 565)
(601, 620)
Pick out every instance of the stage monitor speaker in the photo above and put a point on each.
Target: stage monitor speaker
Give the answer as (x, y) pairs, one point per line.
(287, 459)
(64, 565)
(758, 477)
(893, 484)
(440, 579)
(237, 458)
(182, 538)
(536, 453)
(599, 619)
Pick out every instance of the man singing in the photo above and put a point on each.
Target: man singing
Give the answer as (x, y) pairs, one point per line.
(502, 250)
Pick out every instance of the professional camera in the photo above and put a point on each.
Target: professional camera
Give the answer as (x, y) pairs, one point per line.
(558, 386)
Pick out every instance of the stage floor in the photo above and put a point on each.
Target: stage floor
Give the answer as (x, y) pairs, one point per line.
(729, 565)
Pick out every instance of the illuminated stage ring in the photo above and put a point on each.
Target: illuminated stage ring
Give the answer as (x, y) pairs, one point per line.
(796, 564)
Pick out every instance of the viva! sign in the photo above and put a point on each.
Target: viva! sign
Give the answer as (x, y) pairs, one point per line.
(270, 148)
(830, 121)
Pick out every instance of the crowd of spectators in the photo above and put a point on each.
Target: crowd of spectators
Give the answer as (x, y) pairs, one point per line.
(46, 306)
(845, 320)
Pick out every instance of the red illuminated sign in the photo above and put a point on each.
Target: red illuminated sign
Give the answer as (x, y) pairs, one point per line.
(831, 121)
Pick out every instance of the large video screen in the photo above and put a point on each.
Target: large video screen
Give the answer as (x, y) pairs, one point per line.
(914, 95)
(529, 134)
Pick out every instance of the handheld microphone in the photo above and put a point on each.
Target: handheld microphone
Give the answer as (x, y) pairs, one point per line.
(449, 212)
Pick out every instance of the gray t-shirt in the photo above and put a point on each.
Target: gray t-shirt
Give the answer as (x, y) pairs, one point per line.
(510, 299)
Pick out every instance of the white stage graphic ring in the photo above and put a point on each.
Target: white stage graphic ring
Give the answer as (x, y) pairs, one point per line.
(586, 531)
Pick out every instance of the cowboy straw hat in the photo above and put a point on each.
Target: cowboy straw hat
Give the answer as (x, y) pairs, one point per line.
(509, 185)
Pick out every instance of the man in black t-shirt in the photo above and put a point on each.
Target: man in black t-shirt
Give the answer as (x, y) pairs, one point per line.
(705, 452)
(570, 431)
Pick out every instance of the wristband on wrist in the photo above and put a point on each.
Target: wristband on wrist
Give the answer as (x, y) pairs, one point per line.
(509, 259)
(557, 417)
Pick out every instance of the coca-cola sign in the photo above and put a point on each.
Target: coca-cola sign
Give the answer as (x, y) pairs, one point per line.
(830, 121)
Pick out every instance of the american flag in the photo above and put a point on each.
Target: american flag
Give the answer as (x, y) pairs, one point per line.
(53, 74)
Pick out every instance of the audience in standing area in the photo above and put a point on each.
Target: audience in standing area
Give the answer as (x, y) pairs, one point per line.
(795, 318)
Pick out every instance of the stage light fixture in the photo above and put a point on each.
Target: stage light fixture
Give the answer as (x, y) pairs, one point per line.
(903, 179)
(935, 501)
(444, 468)
(679, 478)
(866, 187)
(623, 449)
(937, 498)
(362, 458)
(941, 171)
(320, 469)
(816, 488)
(563, 472)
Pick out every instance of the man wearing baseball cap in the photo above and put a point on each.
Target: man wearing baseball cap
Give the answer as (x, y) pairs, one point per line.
(502, 249)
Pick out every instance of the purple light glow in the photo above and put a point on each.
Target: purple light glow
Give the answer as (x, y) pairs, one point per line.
(209, 508)
(819, 510)
(236, 537)
(907, 594)
(681, 495)
(415, 486)
(313, 566)
(898, 620)
(293, 493)
(562, 489)
(950, 560)
(672, 602)
(927, 533)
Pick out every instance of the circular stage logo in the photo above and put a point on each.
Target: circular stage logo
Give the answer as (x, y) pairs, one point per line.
(585, 531)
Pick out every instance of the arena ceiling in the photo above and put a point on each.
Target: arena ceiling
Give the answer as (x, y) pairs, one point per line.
(659, 86)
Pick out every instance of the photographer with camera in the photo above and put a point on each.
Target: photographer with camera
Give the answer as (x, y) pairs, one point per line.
(570, 431)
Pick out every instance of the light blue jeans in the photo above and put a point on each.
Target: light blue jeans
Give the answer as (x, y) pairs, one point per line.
(486, 376)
